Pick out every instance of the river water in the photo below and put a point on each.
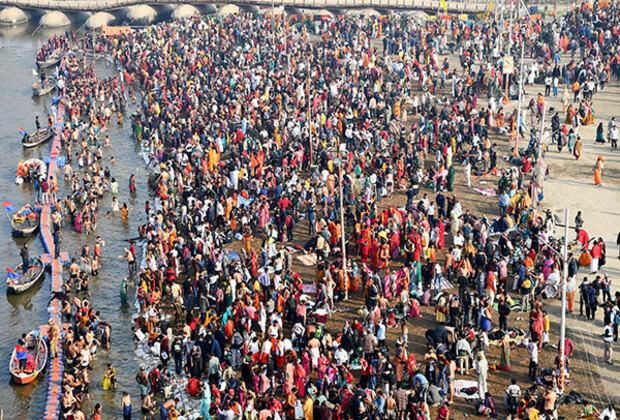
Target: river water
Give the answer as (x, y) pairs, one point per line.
(24, 312)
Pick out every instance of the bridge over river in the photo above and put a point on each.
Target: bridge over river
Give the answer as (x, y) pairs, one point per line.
(475, 6)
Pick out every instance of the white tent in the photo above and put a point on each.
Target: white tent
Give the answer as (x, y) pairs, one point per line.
(418, 14)
(99, 19)
(13, 16)
(184, 11)
(54, 19)
(229, 9)
(142, 14)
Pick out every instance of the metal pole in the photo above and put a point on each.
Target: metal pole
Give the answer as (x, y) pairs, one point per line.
(501, 25)
(309, 116)
(285, 24)
(563, 317)
(542, 129)
(342, 234)
(509, 32)
(516, 152)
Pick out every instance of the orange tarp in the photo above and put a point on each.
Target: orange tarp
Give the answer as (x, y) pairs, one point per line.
(115, 30)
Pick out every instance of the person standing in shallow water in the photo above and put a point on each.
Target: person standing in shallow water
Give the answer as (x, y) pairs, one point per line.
(126, 406)
(132, 184)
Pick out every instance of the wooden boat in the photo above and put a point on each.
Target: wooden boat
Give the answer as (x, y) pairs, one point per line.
(37, 138)
(35, 272)
(40, 89)
(36, 347)
(52, 60)
(26, 221)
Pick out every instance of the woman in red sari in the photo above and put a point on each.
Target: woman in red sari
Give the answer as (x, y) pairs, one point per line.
(364, 248)
(395, 245)
(440, 231)
(374, 253)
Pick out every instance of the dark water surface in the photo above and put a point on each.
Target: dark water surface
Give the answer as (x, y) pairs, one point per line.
(24, 312)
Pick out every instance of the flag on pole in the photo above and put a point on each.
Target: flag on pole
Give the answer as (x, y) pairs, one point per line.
(11, 274)
(443, 5)
(8, 207)
(21, 352)
(22, 131)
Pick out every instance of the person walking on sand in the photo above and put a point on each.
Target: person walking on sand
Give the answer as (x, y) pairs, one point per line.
(577, 148)
(613, 137)
(608, 340)
(598, 170)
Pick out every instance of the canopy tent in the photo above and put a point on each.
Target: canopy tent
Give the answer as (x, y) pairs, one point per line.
(229, 9)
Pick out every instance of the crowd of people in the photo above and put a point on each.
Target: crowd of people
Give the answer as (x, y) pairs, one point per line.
(351, 128)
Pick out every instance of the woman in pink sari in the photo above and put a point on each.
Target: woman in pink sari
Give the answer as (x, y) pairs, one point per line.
(77, 224)
(547, 267)
(263, 215)
(440, 231)
(289, 373)
(387, 287)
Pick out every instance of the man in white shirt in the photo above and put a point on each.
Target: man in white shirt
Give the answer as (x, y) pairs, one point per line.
(381, 328)
(463, 352)
(532, 350)
(608, 339)
(482, 371)
(609, 413)
(613, 137)
(511, 399)
(341, 356)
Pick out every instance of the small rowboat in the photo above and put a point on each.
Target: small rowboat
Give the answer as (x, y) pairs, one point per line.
(37, 138)
(34, 349)
(25, 281)
(25, 222)
(40, 89)
(50, 61)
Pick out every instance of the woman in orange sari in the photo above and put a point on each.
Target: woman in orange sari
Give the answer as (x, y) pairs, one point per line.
(570, 114)
(499, 119)
(577, 148)
(598, 170)
(589, 117)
